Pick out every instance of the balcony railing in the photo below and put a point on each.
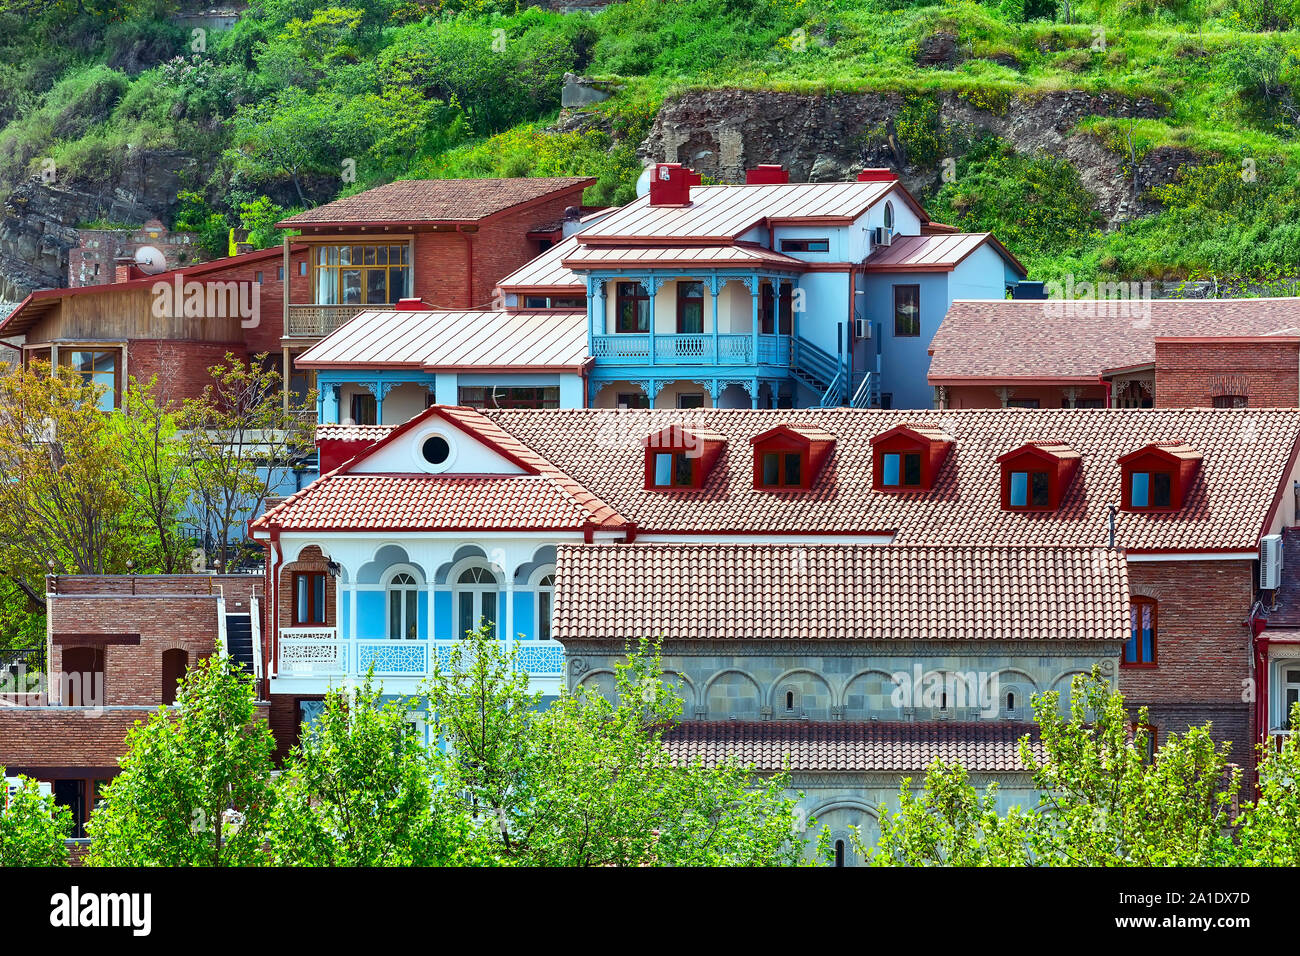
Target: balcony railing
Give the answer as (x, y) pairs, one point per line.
(315, 321)
(691, 349)
(319, 652)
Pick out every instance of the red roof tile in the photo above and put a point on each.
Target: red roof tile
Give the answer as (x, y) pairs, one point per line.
(435, 200)
(1246, 453)
(851, 747)
(1050, 339)
(839, 592)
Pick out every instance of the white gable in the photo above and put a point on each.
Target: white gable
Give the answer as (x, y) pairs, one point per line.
(465, 454)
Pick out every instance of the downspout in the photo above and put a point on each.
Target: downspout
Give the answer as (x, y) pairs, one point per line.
(1105, 388)
(271, 649)
(469, 266)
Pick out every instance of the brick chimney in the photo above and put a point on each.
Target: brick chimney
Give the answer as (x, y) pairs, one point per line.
(125, 269)
(767, 174)
(877, 176)
(670, 184)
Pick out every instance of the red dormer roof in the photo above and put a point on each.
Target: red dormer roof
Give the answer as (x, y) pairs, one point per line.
(701, 447)
(1057, 459)
(1177, 459)
(808, 440)
(933, 445)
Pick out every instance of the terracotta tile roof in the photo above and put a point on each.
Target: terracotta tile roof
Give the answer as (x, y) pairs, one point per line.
(478, 339)
(839, 592)
(1027, 339)
(933, 253)
(544, 498)
(631, 257)
(332, 432)
(547, 271)
(435, 200)
(852, 747)
(429, 503)
(1245, 462)
(724, 213)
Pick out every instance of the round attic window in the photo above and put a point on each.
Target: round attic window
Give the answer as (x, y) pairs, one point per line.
(436, 450)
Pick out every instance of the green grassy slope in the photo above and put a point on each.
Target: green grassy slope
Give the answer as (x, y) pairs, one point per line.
(302, 101)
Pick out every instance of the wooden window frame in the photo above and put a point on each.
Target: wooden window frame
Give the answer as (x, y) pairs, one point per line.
(899, 333)
(296, 612)
(633, 293)
(683, 301)
(1137, 601)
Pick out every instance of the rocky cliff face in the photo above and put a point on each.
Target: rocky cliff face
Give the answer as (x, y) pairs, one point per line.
(721, 133)
(38, 221)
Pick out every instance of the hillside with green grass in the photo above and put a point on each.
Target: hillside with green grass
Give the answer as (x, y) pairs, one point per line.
(1104, 139)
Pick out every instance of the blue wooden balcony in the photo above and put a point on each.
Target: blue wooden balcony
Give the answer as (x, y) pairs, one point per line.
(705, 349)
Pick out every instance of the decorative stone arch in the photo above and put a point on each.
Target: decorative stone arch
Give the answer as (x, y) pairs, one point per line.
(1023, 687)
(787, 688)
(837, 815)
(602, 680)
(383, 562)
(448, 571)
(527, 572)
(724, 701)
(1061, 683)
(847, 703)
(684, 686)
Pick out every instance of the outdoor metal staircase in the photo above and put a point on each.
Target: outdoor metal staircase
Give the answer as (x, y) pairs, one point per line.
(822, 372)
(868, 392)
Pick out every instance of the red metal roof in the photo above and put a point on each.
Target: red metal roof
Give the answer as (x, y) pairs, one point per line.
(415, 201)
(724, 213)
(478, 339)
(732, 254)
(934, 253)
(693, 592)
(1008, 340)
(851, 747)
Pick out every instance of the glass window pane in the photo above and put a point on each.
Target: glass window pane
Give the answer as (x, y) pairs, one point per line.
(681, 469)
(1160, 489)
(394, 615)
(1139, 489)
(544, 616)
(890, 471)
(1040, 489)
(793, 468)
(318, 599)
(397, 284)
(771, 469)
(301, 599)
(377, 285)
(490, 609)
(663, 468)
(466, 599)
(412, 613)
(911, 469)
(1019, 489)
(350, 282)
(368, 256)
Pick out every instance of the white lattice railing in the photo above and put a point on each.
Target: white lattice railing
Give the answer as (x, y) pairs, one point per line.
(306, 651)
(313, 652)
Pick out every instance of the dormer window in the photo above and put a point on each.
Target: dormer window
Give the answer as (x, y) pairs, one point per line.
(1158, 476)
(789, 457)
(1036, 476)
(908, 457)
(678, 458)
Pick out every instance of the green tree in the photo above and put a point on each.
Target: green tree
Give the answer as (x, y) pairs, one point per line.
(242, 445)
(195, 787)
(948, 823)
(1106, 802)
(357, 791)
(33, 828)
(588, 781)
(1269, 828)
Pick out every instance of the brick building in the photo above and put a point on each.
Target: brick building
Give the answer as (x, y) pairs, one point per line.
(1166, 353)
(116, 646)
(100, 252)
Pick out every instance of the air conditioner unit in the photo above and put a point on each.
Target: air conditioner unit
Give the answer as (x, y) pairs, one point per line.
(883, 236)
(861, 329)
(1270, 562)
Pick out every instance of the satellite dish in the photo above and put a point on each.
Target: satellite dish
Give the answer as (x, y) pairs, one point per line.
(643, 181)
(150, 260)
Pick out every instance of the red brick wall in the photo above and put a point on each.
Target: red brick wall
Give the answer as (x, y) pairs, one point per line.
(311, 559)
(1189, 374)
(1202, 649)
(133, 673)
(36, 739)
(441, 269)
(181, 365)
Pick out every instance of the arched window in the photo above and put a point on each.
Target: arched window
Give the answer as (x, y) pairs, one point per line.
(889, 215)
(476, 600)
(1011, 702)
(403, 605)
(82, 682)
(839, 852)
(175, 664)
(789, 700)
(545, 602)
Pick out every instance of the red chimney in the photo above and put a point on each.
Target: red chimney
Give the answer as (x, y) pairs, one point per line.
(411, 305)
(124, 270)
(670, 184)
(877, 176)
(767, 174)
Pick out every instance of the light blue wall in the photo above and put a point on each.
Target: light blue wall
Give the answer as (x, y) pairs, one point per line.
(442, 622)
(445, 385)
(905, 360)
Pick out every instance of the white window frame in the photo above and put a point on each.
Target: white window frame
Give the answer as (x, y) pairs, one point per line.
(535, 582)
(391, 589)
